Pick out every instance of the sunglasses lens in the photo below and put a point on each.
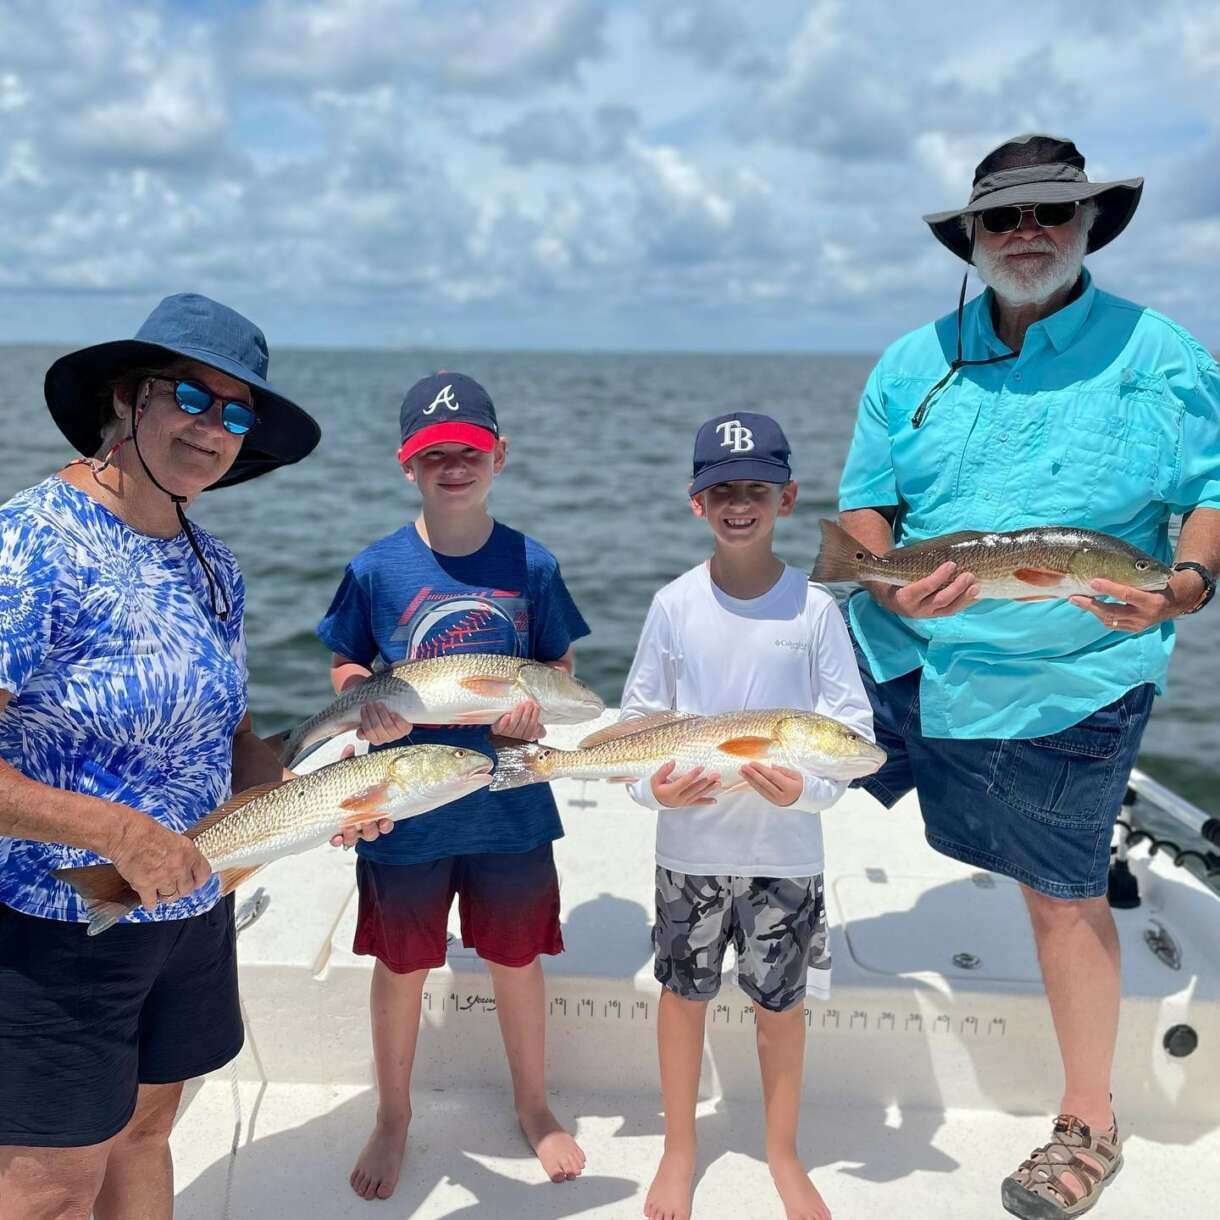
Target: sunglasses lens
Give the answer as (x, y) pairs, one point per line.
(1000, 220)
(1051, 215)
(192, 398)
(238, 418)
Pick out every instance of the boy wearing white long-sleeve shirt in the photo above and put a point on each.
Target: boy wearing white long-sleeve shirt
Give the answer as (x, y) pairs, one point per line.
(741, 631)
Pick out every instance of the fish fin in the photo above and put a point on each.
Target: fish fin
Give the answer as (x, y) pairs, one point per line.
(935, 544)
(106, 895)
(232, 805)
(1036, 597)
(841, 556)
(491, 688)
(629, 728)
(746, 747)
(515, 765)
(1044, 578)
(476, 716)
(737, 787)
(621, 779)
(498, 741)
(231, 878)
(366, 805)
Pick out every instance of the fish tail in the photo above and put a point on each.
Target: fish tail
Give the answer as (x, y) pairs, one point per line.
(842, 557)
(107, 897)
(516, 766)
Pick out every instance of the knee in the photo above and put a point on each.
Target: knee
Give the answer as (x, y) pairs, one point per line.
(1053, 914)
(150, 1125)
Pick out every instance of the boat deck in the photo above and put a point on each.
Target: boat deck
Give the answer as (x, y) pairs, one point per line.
(930, 1072)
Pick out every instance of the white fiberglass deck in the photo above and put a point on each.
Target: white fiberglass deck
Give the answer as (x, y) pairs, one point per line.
(926, 1080)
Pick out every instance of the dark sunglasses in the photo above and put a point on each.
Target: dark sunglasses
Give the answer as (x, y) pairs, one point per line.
(1046, 216)
(193, 398)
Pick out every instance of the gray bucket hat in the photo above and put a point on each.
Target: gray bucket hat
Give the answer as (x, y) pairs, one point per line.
(1038, 168)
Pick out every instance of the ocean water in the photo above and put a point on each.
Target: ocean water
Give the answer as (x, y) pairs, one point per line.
(599, 451)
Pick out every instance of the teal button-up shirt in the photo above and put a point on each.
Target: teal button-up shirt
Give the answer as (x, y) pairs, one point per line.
(1108, 419)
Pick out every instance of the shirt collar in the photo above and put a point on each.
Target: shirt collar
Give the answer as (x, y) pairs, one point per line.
(1061, 328)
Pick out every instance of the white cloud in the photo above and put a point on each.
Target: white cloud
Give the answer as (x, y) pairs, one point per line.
(567, 171)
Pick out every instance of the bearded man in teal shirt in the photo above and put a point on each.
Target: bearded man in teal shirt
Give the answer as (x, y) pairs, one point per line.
(1043, 401)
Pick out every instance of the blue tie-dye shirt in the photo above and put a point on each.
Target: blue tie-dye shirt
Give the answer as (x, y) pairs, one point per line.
(124, 683)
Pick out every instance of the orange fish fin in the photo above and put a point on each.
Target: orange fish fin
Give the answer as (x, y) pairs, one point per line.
(231, 878)
(629, 728)
(746, 747)
(841, 556)
(365, 806)
(737, 787)
(492, 688)
(472, 717)
(1044, 578)
(232, 805)
(621, 779)
(1037, 597)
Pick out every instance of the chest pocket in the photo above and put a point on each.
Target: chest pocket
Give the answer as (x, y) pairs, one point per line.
(926, 459)
(1106, 451)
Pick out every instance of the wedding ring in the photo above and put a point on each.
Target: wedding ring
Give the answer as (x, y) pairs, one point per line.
(1114, 622)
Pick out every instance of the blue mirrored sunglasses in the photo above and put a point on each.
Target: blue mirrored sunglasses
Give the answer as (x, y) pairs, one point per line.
(195, 399)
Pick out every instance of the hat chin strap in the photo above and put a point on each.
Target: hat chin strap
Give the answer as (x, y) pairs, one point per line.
(218, 599)
(957, 362)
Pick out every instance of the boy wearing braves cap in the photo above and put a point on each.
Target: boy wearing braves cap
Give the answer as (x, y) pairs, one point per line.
(741, 631)
(455, 580)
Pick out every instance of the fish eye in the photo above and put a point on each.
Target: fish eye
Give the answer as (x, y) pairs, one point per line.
(460, 754)
(859, 554)
(1141, 565)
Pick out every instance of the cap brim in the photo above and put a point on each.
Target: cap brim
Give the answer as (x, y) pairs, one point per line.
(1116, 203)
(482, 439)
(754, 470)
(284, 433)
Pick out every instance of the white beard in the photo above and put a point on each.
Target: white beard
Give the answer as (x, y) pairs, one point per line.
(1015, 284)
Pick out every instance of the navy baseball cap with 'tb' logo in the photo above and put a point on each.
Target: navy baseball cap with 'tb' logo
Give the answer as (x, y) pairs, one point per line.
(446, 408)
(742, 445)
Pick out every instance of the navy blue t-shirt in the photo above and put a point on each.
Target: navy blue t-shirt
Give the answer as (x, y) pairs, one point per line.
(402, 600)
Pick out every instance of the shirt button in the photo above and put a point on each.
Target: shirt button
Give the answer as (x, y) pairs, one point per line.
(986, 495)
(1003, 437)
(1016, 376)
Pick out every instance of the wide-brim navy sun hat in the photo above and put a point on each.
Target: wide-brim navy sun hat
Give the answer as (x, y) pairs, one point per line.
(197, 328)
(1037, 168)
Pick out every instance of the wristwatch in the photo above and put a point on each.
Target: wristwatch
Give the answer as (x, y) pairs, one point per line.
(1209, 584)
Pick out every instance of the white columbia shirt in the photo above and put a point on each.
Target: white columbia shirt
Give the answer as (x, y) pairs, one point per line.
(705, 652)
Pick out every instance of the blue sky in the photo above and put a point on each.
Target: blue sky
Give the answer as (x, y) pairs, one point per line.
(693, 174)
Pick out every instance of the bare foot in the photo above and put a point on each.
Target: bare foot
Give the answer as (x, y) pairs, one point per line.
(377, 1167)
(560, 1154)
(798, 1194)
(669, 1195)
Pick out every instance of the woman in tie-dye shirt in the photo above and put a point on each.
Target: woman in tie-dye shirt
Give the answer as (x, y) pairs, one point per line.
(123, 721)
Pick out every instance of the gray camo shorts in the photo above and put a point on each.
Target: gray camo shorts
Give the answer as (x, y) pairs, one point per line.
(777, 925)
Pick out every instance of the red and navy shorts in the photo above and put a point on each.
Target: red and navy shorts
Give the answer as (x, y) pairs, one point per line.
(508, 903)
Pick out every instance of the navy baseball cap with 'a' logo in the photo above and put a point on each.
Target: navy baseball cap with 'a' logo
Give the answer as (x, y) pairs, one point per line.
(742, 445)
(446, 409)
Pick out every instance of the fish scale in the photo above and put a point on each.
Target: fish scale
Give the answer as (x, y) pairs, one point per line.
(720, 744)
(1034, 564)
(461, 688)
(263, 824)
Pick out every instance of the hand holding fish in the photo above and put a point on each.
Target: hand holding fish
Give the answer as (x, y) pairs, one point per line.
(780, 785)
(156, 862)
(945, 591)
(524, 722)
(1138, 609)
(379, 726)
(693, 787)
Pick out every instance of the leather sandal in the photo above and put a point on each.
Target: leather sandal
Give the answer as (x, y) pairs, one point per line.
(1038, 1189)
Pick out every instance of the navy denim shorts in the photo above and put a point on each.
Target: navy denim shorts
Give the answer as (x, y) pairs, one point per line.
(84, 1021)
(1039, 809)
